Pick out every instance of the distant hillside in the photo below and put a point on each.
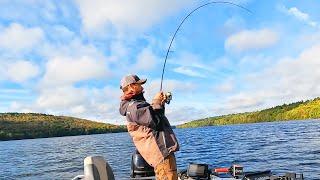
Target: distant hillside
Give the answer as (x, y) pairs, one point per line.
(33, 125)
(300, 110)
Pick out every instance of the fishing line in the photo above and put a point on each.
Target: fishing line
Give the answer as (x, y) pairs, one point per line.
(212, 2)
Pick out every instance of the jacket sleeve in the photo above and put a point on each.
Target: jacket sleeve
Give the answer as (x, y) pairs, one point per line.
(142, 113)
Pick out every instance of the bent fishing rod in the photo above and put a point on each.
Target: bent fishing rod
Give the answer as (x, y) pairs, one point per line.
(185, 18)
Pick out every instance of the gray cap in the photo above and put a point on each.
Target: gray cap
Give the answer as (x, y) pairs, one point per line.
(131, 79)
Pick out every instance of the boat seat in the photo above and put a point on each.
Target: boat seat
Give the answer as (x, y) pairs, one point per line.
(96, 168)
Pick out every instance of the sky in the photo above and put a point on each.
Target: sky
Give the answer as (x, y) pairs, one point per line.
(68, 57)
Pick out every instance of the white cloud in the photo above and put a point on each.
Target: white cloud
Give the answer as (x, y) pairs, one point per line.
(119, 51)
(75, 49)
(63, 32)
(240, 102)
(302, 16)
(180, 115)
(310, 39)
(190, 64)
(18, 71)
(60, 98)
(289, 80)
(256, 62)
(38, 12)
(300, 77)
(126, 13)
(251, 40)
(18, 107)
(16, 37)
(188, 71)
(100, 104)
(225, 87)
(298, 14)
(78, 109)
(295, 12)
(232, 25)
(66, 70)
(146, 60)
(190, 60)
(14, 91)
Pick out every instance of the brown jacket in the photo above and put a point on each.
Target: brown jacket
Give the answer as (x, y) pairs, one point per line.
(150, 129)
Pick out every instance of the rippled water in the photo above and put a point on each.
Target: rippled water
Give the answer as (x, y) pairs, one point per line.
(278, 146)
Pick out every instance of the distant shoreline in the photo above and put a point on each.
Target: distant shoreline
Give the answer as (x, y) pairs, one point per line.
(279, 121)
(301, 110)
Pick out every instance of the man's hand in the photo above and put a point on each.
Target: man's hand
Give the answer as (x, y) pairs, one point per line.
(159, 99)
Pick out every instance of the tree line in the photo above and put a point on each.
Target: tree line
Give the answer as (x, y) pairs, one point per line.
(34, 125)
(295, 111)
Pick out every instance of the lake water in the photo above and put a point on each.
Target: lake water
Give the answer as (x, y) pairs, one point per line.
(278, 146)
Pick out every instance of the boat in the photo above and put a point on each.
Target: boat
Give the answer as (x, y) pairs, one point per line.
(97, 168)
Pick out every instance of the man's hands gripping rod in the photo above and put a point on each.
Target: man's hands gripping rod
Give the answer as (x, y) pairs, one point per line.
(161, 98)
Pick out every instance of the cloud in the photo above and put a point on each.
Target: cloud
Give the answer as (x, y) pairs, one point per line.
(39, 12)
(251, 40)
(17, 37)
(14, 91)
(67, 70)
(253, 63)
(74, 48)
(240, 102)
(293, 11)
(190, 64)
(232, 25)
(119, 51)
(60, 98)
(225, 87)
(188, 71)
(64, 34)
(146, 60)
(100, 104)
(289, 80)
(191, 60)
(18, 71)
(126, 14)
(299, 77)
(298, 14)
(310, 39)
(180, 115)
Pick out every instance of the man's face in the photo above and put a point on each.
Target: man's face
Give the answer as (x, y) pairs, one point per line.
(137, 88)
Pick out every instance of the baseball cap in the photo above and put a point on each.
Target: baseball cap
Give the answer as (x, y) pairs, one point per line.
(131, 79)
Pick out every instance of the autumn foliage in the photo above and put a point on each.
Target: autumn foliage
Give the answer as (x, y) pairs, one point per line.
(34, 125)
(295, 111)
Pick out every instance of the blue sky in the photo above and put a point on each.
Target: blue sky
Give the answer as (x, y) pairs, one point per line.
(67, 57)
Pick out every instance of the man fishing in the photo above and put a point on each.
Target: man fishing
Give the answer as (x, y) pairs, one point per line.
(149, 128)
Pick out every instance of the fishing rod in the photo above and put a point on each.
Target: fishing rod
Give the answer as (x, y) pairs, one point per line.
(185, 18)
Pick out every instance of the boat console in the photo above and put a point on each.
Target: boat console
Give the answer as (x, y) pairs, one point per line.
(202, 172)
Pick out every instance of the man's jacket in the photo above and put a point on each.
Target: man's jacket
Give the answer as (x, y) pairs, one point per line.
(150, 129)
